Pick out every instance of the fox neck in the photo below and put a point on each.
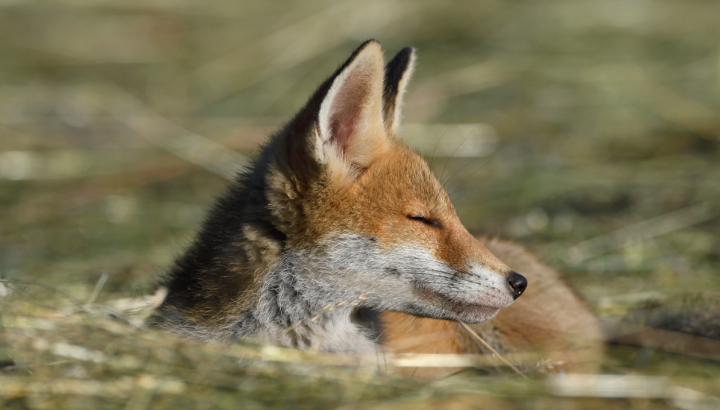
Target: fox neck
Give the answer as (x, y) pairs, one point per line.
(296, 311)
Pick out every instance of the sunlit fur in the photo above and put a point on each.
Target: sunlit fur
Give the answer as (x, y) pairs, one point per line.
(549, 320)
(337, 221)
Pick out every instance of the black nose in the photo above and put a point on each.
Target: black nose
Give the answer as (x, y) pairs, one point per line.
(517, 283)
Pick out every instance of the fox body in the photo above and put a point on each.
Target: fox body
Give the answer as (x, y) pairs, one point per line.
(340, 237)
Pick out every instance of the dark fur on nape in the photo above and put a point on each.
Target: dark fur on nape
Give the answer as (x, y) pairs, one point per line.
(335, 222)
(220, 247)
(214, 287)
(217, 269)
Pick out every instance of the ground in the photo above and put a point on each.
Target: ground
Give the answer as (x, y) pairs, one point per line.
(587, 131)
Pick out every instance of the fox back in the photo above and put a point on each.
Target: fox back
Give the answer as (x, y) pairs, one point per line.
(336, 224)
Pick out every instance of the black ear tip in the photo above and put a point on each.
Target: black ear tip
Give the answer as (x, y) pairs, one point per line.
(406, 53)
(402, 59)
(368, 42)
(359, 50)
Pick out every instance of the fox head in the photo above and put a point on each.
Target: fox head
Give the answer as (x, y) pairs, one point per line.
(363, 213)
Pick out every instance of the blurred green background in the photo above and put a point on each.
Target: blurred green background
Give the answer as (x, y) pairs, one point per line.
(586, 130)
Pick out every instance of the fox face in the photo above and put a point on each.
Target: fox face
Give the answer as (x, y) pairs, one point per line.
(364, 212)
(336, 206)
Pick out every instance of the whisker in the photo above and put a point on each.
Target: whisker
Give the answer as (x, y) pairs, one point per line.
(483, 165)
(440, 191)
(449, 276)
(432, 157)
(452, 156)
(458, 171)
(468, 191)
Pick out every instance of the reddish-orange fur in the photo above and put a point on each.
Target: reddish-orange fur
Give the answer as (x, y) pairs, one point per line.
(549, 320)
(338, 173)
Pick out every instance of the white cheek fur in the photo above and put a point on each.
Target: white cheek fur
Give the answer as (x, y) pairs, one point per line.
(350, 264)
(304, 281)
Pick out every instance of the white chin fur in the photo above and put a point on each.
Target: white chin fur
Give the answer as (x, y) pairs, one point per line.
(395, 275)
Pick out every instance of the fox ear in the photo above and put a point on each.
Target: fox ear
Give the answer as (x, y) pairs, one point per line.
(397, 75)
(349, 132)
(340, 131)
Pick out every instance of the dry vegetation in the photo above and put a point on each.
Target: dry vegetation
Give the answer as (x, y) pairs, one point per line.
(588, 131)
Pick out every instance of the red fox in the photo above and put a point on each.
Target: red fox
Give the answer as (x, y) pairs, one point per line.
(338, 212)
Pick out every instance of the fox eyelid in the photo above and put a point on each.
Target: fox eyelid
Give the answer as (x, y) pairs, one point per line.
(426, 221)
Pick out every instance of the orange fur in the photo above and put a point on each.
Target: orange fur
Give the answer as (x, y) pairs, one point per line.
(549, 320)
(337, 206)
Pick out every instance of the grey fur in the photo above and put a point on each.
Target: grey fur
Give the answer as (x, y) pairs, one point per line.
(303, 282)
(251, 273)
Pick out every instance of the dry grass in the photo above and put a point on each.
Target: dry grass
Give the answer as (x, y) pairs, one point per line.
(589, 131)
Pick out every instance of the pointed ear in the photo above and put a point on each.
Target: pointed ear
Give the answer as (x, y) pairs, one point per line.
(350, 133)
(397, 75)
(340, 131)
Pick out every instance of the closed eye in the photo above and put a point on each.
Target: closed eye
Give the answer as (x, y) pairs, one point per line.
(426, 221)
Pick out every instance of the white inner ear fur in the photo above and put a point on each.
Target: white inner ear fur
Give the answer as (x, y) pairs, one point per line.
(350, 129)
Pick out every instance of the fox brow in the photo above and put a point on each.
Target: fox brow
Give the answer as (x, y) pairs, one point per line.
(426, 187)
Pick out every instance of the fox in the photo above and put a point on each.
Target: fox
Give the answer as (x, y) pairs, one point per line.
(340, 238)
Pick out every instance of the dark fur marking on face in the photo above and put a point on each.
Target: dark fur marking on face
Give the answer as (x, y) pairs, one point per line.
(369, 318)
(427, 221)
(392, 271)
